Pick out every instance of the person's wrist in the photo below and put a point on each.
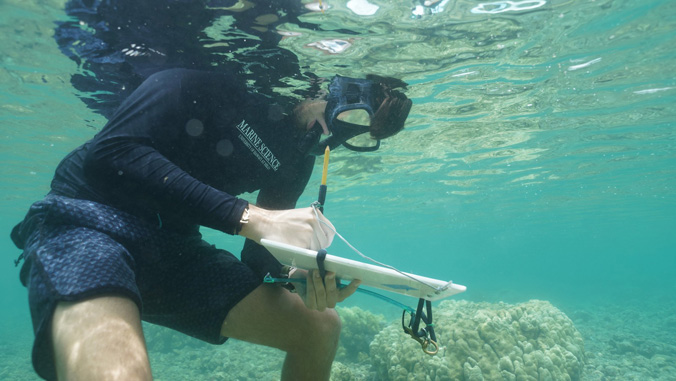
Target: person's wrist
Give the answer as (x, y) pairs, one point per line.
(256, 218)
(243, 220)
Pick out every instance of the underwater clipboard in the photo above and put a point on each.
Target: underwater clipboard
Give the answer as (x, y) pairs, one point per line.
(370, 275)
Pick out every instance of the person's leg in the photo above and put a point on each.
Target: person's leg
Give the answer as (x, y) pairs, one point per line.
(99, 339)
(272, 316)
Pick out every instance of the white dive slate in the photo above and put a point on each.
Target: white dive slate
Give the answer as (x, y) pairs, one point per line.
(371, 275)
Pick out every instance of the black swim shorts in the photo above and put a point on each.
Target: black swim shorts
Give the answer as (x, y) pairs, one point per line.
(76, 249)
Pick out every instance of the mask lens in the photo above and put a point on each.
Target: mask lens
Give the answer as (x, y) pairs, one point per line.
(358, 117)
(362, 141)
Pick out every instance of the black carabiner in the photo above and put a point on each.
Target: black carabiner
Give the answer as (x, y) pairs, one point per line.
(426, 336)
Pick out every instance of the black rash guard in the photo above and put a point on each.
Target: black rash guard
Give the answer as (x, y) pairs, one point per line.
(182, 147)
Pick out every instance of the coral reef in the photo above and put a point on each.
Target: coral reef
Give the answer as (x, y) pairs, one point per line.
(359, 329)
(351, 372)
(632, 341)
(528, 341)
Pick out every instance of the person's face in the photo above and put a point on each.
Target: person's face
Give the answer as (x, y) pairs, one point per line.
(310, 112)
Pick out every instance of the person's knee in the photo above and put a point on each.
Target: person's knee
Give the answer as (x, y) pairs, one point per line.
(330, 323)
(322, 330)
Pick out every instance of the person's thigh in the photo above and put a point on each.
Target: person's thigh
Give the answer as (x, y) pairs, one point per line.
(67, 265)
(99, 339)
(211, 295)
(192, 293)
(275, 317)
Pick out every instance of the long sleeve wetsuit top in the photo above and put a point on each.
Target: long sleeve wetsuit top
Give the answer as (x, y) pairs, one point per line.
(182, 147)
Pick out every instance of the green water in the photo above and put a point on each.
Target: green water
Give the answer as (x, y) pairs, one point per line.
(539, 160)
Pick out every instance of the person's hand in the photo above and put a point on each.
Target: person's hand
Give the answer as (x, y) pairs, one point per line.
(297, 227)
(320, 295)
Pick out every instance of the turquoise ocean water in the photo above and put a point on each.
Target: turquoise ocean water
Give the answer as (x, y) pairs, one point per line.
(539, 161)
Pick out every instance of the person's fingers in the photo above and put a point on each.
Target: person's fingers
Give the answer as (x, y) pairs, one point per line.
(325, 128)
(325, 231)
(321, 294)
(319, 291)
(348, 290)
(310, 297)
(331, 290)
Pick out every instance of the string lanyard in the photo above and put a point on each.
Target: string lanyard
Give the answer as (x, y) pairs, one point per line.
(315, 206)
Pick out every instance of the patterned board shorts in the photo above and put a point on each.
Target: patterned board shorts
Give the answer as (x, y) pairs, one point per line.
(77, 249)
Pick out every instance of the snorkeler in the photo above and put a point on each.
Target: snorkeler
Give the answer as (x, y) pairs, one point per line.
(117, 239)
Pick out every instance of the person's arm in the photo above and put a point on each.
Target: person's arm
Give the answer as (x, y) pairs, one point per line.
(164, 184)
(128, 159)
(298, 227)
(274, 217)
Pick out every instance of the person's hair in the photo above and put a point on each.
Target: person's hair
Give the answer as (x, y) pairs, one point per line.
(394, 107)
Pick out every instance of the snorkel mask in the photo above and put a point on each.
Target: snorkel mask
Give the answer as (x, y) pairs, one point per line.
(350, 107)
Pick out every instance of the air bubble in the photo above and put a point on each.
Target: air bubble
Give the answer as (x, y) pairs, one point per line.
(194, 127)
(224, 147)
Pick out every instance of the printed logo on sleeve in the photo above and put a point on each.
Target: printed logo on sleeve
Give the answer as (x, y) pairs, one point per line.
(256, 145)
